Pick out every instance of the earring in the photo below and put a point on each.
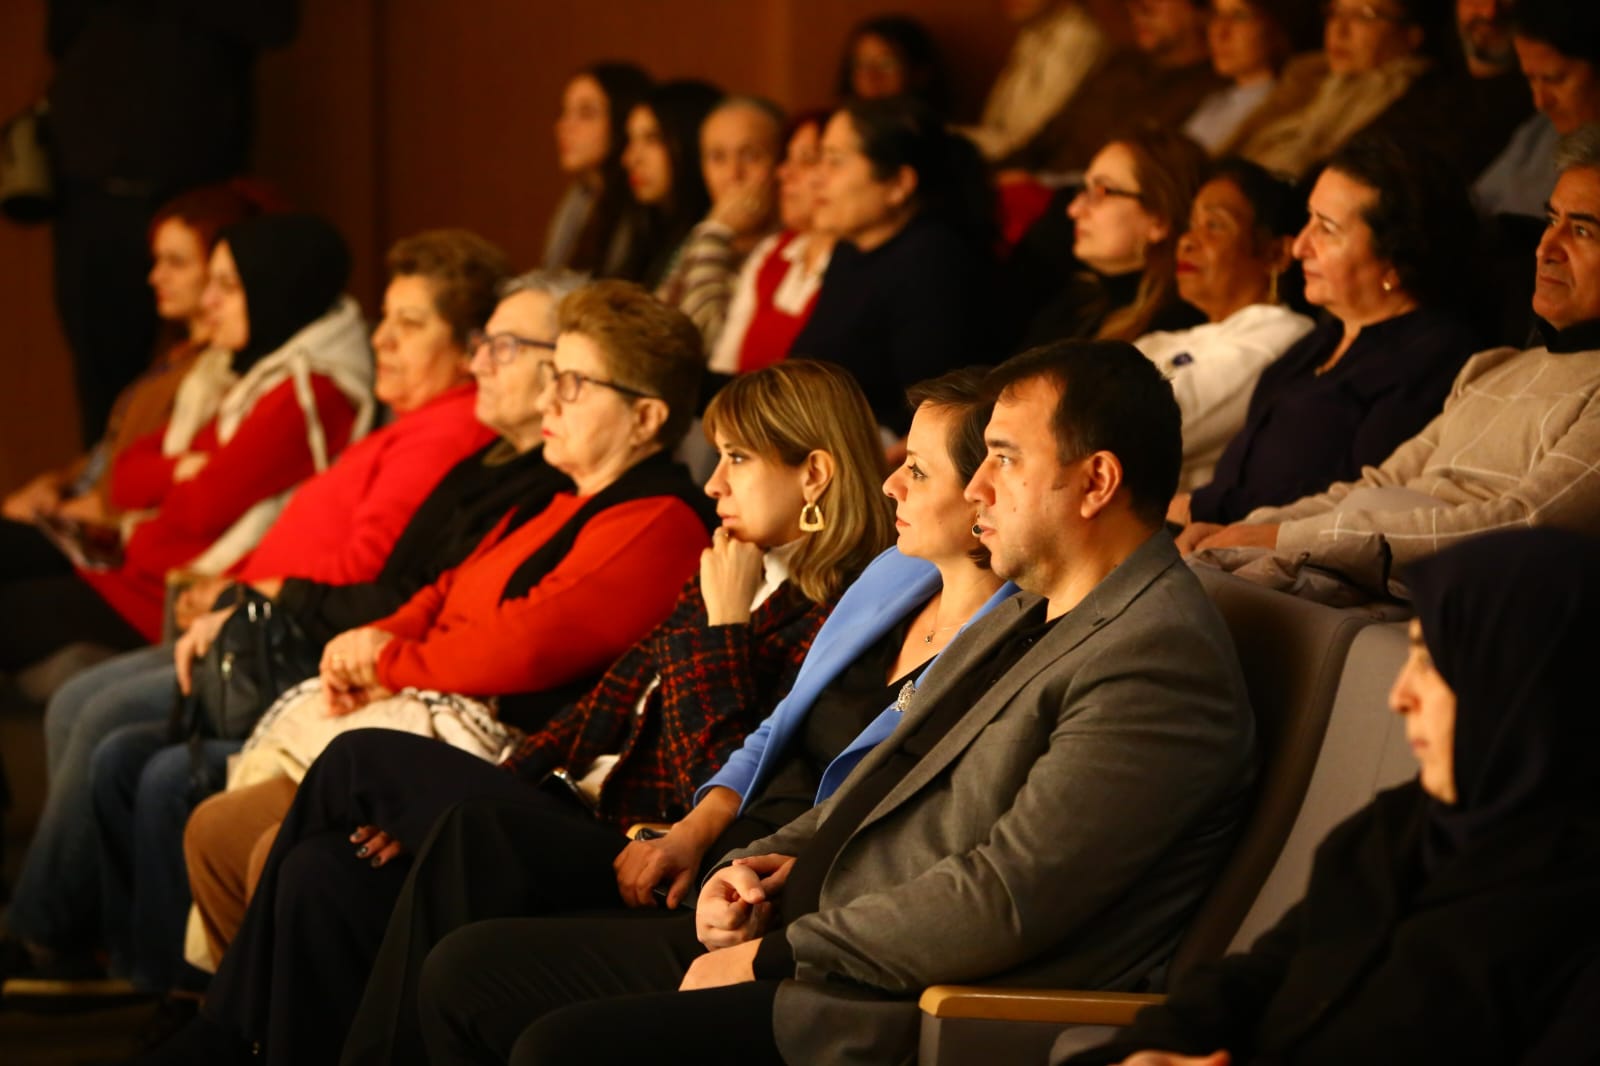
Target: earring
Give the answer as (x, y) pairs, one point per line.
(1388, 286)
(811, 520)
(1272, 288)
(977, 530)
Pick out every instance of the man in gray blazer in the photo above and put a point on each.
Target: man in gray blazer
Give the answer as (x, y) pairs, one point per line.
(1053, 805)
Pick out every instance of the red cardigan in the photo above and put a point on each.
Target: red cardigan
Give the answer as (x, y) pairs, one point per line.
(267, 455)
(620, 578)
(339, 526)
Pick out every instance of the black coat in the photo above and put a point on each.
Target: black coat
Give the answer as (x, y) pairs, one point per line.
(1378, 964)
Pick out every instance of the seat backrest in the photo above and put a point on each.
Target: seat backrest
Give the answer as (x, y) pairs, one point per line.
(1293, 652)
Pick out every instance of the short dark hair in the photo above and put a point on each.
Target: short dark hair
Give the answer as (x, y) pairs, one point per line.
(1279, 204)
(1571, 27)
(965, 393)
(464, 270)
(1113, 400)
(913, 45)
(1422, 221)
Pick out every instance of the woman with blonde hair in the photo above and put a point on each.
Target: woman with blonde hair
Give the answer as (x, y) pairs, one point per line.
(1126, 218)
(796, 491)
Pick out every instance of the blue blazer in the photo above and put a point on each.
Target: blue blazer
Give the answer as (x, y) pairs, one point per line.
(889, 589)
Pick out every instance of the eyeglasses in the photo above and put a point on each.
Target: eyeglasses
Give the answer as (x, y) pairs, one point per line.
(569, 383)
(1364, 14)
(503, 347)
(1096, 192)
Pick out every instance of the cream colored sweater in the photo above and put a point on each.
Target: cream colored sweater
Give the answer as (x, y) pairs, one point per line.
(1517, 444)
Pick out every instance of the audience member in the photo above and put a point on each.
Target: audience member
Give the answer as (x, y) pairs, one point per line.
(1157, 82)
(1229, 262)
(1385, 253)
(591, 228)
(180, 240)
(739, 145)
(145, 102)
(1049, 809)
(906, 295)
(893, 55)
(1058, 45)
(1557, 45)
(663, 164)
(778, 284)
(668, 711)
(105, 727)
(1125, 224)
(1250, 42)
(284, 385)
(1373, 55)
(1446, 921)
(1517, 444)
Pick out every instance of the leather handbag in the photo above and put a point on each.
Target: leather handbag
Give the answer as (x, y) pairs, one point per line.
(258, 655)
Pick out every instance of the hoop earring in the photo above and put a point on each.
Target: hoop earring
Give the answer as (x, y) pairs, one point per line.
(811, 520)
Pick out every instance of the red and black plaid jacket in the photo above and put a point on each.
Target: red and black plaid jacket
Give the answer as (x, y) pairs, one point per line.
(717, 683)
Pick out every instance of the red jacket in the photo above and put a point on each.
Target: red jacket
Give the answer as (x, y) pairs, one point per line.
(620, 578)
(339, 526)
(267, 455)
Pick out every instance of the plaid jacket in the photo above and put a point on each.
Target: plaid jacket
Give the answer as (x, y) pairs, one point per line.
(716, 684)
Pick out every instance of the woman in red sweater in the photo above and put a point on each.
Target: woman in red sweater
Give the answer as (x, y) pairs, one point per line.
(285, 385)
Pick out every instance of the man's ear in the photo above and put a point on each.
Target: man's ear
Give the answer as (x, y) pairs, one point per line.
(1102, 474)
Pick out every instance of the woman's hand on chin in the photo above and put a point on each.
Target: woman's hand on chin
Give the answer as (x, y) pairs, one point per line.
(730, 573)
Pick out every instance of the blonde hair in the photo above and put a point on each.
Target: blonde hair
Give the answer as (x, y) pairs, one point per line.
(788, 410)
(1169, 168)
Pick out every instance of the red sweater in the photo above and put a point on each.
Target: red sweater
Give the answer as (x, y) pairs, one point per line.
(339, 526)
(267, 455)
(621, 578)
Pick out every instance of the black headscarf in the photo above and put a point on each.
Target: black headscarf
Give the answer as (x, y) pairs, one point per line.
(292, 267)
(1506, 618)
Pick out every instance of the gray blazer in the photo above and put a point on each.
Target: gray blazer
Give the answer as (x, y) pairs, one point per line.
(1060, 834)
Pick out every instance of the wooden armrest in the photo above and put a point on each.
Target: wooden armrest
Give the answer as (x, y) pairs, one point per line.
(1060, 1006)
(636, 827)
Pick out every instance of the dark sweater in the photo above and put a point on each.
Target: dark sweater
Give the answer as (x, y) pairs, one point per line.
(912, 308)
(1305, 431)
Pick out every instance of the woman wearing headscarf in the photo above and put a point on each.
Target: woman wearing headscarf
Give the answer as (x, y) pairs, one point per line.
(286, 383)
(1447, 921)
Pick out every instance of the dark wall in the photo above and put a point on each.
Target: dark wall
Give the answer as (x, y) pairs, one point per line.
(395, 116)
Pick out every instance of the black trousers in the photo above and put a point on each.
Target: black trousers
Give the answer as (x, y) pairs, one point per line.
(41, 615)
(294, 975)
(586, 989)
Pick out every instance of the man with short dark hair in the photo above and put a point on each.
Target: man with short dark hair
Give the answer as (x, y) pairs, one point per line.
(1056, 799)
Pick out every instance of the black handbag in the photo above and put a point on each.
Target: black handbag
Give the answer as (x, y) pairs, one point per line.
(259, 654)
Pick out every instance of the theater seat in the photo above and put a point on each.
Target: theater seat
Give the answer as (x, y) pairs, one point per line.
(1318, 679)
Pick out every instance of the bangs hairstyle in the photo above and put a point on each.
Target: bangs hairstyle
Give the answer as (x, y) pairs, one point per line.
(464, 272)
(647, 346)
(964, 393)
(788, 410)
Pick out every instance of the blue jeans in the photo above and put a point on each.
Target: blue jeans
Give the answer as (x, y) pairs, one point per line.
(56, 901)
(144, 789)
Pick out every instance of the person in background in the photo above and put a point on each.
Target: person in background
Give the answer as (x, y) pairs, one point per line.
(1058, 45)
(1159, 82)
(1388, 252)
(1229, 262)
(893, 55)
(592, 224)
(906, 295)
(181, 236)
(146, 102)
(1448, 920)
(740, 142)
(1250, 42)
(1126, 219)
(778, 283)
(664, 174)
(1557, 46)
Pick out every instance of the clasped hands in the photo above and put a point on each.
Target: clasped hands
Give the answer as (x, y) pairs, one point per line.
(349, 669)
(735, 909)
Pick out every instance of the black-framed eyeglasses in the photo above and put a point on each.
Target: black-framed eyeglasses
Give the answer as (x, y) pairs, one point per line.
(569, 383)
(503, 347)
(1097, 192)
